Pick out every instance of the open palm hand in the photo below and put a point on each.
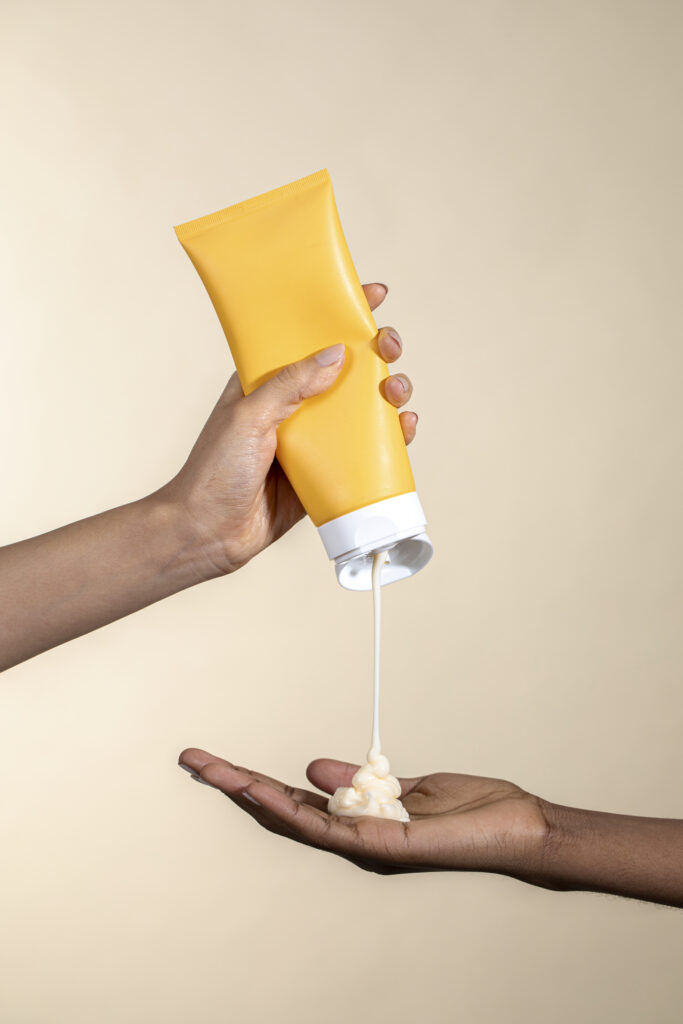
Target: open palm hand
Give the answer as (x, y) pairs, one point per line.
(457, 822)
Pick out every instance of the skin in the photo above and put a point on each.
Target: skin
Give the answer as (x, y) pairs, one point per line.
(226, 504)
(464, 823)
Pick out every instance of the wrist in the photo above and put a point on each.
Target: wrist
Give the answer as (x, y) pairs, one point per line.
(176, 539)
(525, 841)
(582, 850)
(614, 853)
(539, 850)
(567, 832)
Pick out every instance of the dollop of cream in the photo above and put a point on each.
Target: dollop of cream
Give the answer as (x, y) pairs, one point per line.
(373, 791)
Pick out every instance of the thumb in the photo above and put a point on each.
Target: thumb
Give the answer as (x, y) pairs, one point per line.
(328, 775)
(282, 395)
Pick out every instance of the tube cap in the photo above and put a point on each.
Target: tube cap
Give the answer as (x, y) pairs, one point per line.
(396, 525)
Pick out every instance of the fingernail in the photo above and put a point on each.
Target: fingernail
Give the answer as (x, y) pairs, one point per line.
(331, 355)
(382, 285)
(403, 381)
(396, 336)
(250, 798)
(186, 769)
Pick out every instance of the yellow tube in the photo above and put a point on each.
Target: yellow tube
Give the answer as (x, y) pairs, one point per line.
(278, 271)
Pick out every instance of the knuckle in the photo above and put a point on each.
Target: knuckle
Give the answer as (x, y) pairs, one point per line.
(294, 381)
(289, 375)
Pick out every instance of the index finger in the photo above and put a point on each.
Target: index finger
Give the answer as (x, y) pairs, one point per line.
(233, 780)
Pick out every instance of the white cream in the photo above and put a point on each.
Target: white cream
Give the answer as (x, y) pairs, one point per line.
(374, 790)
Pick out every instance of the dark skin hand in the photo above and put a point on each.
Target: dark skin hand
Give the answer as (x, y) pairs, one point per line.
(455, 820)
(464, 823)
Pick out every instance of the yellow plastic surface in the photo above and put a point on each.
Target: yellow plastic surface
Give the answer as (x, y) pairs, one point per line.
(280, 276)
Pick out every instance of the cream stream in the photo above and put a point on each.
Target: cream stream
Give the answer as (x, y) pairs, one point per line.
(373, 791)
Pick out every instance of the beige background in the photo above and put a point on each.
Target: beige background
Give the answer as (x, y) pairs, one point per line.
(513, 170)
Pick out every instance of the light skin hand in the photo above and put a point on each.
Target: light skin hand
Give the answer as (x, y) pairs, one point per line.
(465, 823)
(228, 502)
(232, 488)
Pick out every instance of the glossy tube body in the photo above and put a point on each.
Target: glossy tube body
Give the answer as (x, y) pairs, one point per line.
(280, 276)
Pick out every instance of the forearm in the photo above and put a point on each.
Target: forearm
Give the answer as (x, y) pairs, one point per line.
(75, 579)
(613, 853)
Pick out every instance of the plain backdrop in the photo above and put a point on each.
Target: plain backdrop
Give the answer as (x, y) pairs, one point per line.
(513, 171)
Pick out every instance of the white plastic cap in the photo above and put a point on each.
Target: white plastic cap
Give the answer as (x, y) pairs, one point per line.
(396, 525)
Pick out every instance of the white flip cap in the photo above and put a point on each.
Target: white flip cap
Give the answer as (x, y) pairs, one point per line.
(396, 525)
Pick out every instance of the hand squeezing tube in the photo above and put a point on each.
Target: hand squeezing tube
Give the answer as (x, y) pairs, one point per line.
(278, 271)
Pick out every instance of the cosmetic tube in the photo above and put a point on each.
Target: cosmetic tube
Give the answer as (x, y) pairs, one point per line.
(279, 274)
